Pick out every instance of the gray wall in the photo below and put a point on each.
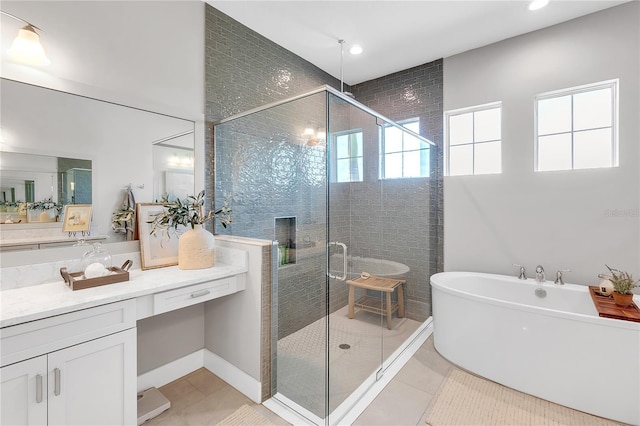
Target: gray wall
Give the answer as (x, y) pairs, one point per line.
(578, 219)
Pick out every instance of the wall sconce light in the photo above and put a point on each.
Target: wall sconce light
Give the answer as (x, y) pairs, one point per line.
(313, 137)
(26, 47)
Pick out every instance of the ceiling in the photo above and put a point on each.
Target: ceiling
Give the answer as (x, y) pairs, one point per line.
(395, 35)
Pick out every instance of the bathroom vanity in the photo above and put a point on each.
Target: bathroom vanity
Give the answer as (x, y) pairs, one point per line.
(69, 357)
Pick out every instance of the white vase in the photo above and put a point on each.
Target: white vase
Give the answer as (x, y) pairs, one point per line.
(46, 216)
(196, 249)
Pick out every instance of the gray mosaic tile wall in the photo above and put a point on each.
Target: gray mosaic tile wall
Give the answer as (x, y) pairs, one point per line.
(267, 171)
(412, 207)
(280, 178)
(244, 70)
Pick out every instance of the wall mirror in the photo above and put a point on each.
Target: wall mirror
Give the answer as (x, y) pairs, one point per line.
(71, 149)
(35, 188)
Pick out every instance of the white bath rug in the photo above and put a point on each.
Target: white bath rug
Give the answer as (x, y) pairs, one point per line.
(465, 399)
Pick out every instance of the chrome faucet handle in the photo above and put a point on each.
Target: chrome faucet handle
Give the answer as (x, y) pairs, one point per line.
(522, 275)
(559, 279)
(540, 274)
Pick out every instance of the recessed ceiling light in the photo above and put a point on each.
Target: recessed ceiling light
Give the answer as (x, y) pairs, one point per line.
(538, 4)
(355, 50)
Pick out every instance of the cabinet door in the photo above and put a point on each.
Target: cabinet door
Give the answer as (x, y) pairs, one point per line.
(23, 392)
(94, 383)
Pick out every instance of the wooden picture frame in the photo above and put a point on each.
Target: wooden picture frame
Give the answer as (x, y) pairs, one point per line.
(161, 248)
(77, 218)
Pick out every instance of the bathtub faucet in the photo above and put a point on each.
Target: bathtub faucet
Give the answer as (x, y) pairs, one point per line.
(540, 274)
(559, 279)
(522, 275)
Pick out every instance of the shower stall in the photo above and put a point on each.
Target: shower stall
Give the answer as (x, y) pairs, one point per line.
(341, 191)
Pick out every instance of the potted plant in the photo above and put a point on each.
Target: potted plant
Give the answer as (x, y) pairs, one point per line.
(623, 285)
(196, 245)
(50, 210)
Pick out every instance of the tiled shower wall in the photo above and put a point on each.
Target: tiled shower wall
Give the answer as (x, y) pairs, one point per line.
(413, 207)
(244, 71)
(268, 171)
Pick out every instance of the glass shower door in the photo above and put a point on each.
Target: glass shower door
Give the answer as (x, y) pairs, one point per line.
(271, 165)
(306, 173)
(354, 235)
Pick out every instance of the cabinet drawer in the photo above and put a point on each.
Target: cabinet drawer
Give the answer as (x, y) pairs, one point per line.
(35, 338)
(190, 295)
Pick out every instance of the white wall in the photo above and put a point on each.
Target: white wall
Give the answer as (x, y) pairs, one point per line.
(137, 51)
(578, 219)
(146, 54)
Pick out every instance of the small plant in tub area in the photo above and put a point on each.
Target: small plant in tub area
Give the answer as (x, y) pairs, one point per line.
(622, 281)
(623, 285)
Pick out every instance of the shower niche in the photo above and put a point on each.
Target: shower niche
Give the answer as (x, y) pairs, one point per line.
(286, 238)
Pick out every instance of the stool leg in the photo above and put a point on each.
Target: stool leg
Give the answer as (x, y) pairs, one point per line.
(389, 310)
(352, 301)
(400, 301)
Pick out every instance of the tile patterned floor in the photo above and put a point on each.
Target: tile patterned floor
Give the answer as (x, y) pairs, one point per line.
(201, 398)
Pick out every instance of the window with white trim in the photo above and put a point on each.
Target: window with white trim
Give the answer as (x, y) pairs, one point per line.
(348, 156)
(474, 140)
(577, 128)
(402, 154)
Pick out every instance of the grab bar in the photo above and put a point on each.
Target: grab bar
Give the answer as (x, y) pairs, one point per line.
(344, 261)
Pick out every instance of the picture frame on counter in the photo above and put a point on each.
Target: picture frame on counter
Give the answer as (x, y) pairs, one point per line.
(159, 249)
(77, 218)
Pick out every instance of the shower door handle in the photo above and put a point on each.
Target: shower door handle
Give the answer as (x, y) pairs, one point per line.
(344, 261)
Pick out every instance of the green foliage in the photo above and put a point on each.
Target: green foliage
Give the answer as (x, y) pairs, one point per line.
(45, 204)
(622, 281)
(123, 219)
(188, 212)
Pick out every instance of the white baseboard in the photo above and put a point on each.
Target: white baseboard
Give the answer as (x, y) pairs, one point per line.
(198, 359)
(172, 371)
(231, 374)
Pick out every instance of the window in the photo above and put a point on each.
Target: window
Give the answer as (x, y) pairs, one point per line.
(403, 155)
(348, 154)
(474, 140)
(577, 128)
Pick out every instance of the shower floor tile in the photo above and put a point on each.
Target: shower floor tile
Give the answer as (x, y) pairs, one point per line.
(301, 356)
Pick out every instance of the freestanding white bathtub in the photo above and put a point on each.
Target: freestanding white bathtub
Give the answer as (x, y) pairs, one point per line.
(555, 348)
(378, 267)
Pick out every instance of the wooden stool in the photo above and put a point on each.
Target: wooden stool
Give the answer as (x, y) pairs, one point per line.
(387, 285)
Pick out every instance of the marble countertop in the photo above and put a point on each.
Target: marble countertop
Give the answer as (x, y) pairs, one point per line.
(25, 304)
(6, 242)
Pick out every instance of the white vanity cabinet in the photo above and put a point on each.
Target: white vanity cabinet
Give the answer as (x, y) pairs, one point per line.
(23, 392)
(76, 369)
